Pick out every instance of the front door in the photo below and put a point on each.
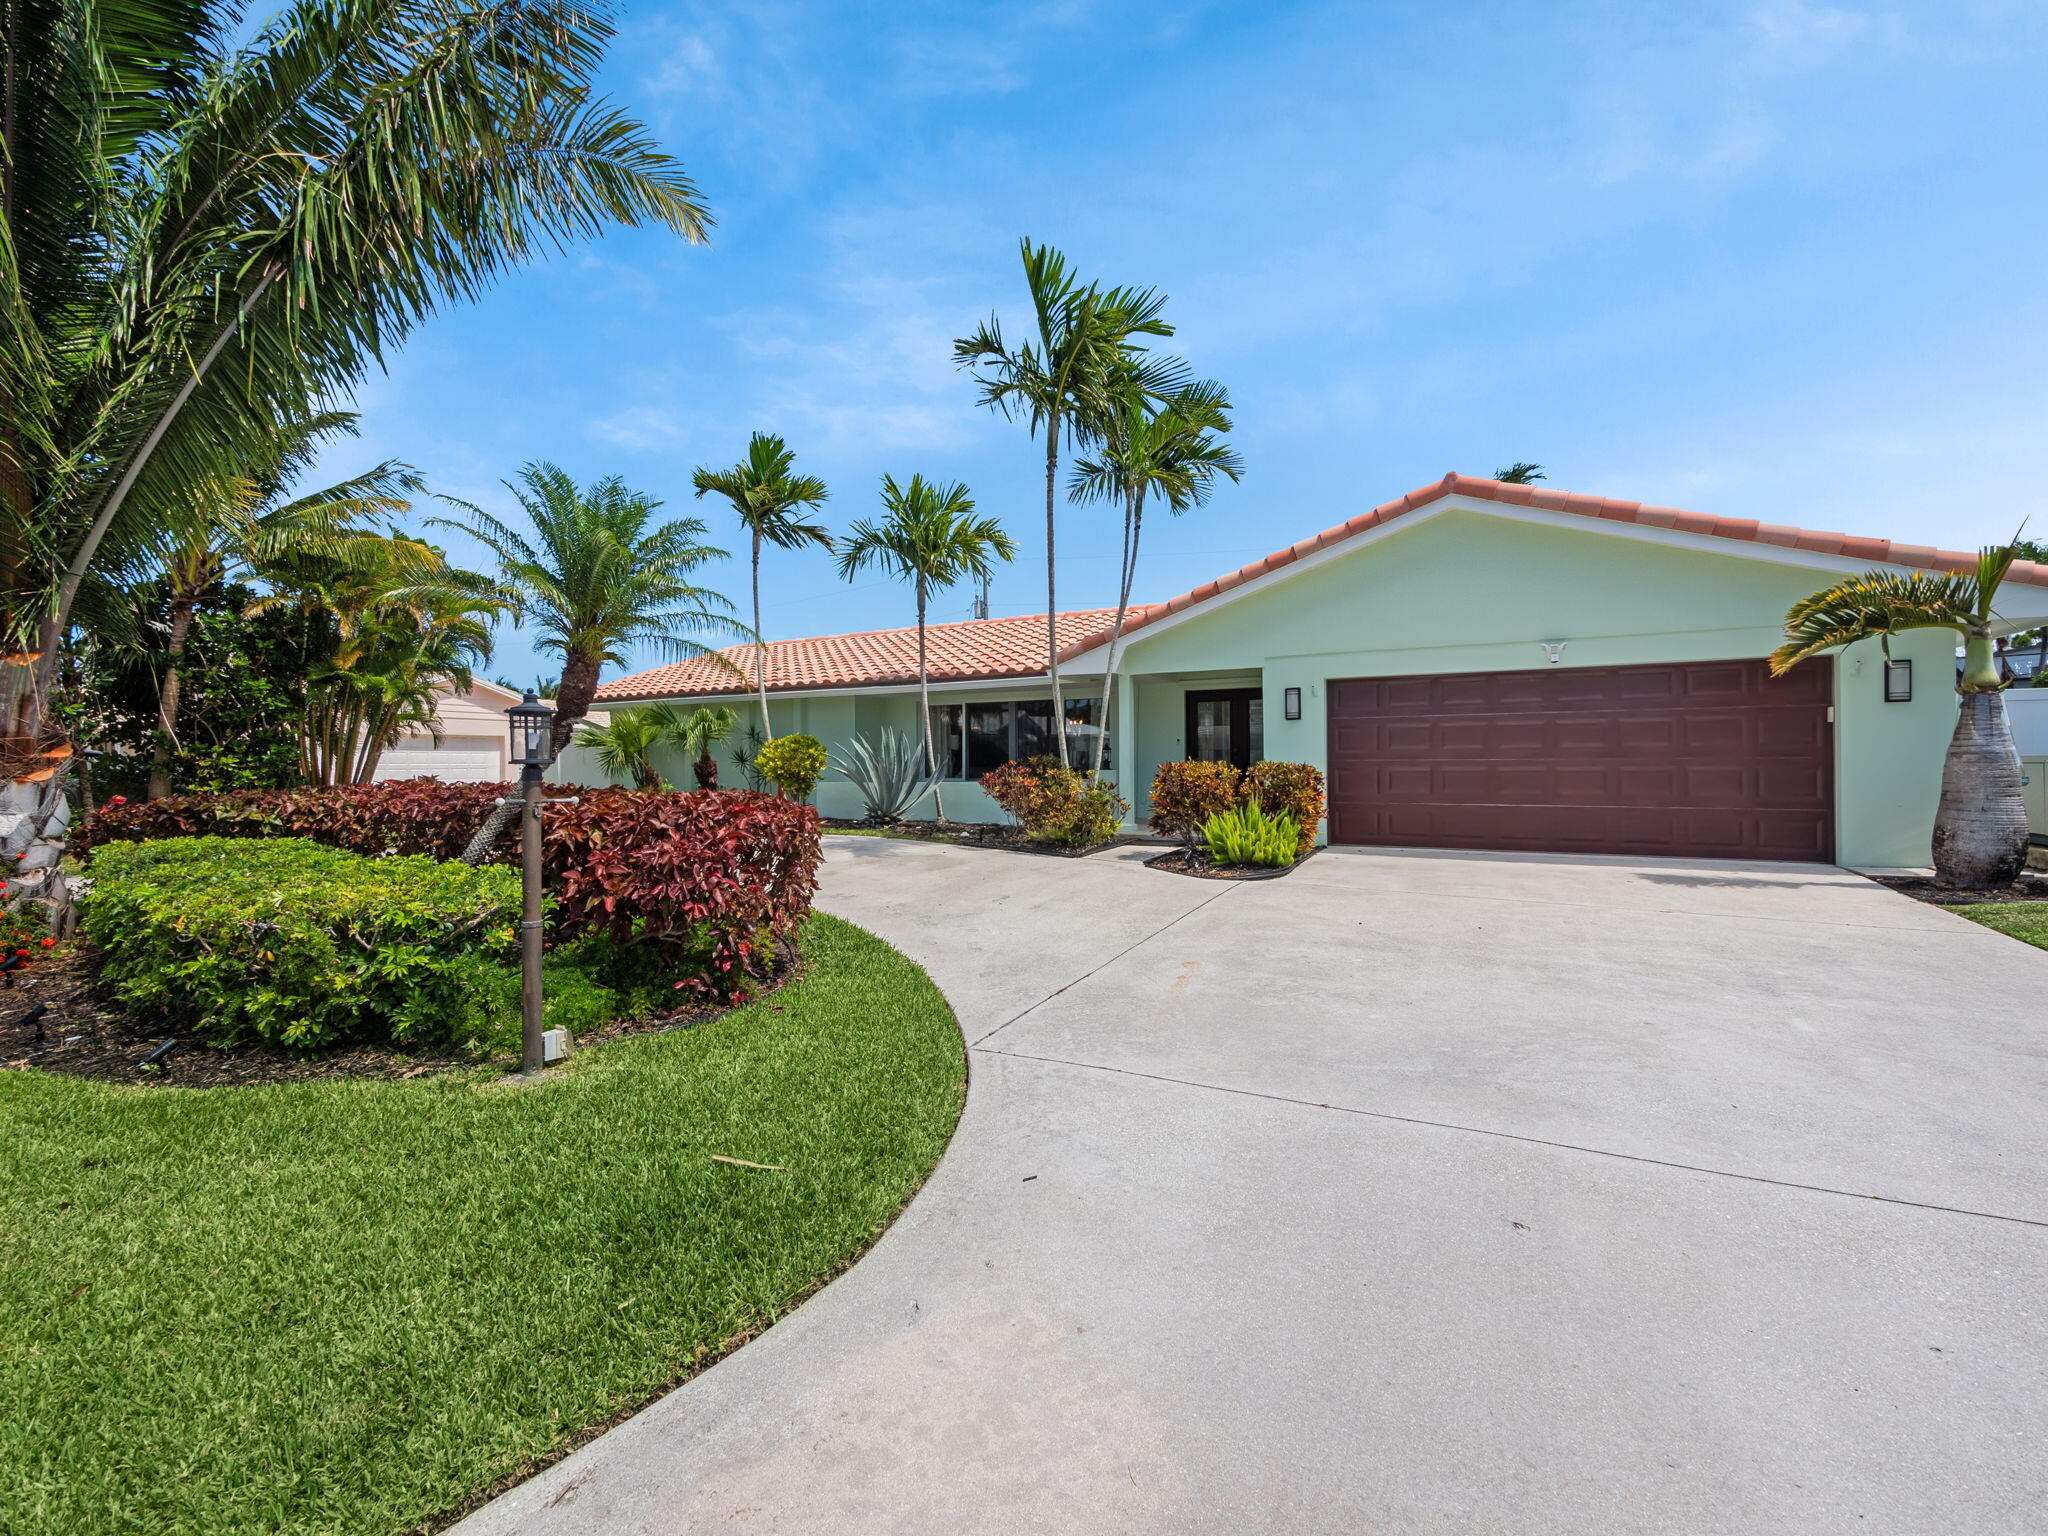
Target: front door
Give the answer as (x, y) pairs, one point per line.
(1226, 725)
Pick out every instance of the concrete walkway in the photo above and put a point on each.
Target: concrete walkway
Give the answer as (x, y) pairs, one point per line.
(1413, 1193)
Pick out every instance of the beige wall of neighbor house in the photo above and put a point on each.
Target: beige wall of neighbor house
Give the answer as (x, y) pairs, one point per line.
(473, 745)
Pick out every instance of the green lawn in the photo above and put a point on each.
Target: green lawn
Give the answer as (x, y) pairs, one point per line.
(349, 1307)
(2026, 921)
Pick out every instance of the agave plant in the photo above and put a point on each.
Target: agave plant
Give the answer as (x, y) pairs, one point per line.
(889, 771)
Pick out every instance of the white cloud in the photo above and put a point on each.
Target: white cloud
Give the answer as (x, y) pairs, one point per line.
(641, 427)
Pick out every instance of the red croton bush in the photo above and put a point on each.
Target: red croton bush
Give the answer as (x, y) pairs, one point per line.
(1186, 794)
(702, 888)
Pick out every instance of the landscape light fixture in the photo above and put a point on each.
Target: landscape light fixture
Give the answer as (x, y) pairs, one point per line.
(1898, 682)
(1291, 703)
(532, 722)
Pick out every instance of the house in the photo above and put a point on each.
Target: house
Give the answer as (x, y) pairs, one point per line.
(1474, 665)
(470, 743)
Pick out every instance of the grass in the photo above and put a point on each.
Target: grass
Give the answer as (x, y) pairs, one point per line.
(2026, 921)
(352, 1307)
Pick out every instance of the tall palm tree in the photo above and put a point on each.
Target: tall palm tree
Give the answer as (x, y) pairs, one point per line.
(766, 495)
(1521, 472)
(1980, 825)
(599, 574)
(246, 527)
(1172, 451)
(1080, 335)
(209, 227)
(932, 539)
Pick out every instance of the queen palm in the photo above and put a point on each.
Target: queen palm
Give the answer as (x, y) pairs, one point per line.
(210, 226)
(1055, 381)
(1172, 451)
(932, 539)
(767, 497)
(1980, 825)
(597, 575)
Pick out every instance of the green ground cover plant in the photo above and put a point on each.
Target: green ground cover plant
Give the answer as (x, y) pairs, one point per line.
(2026, 921)
(351, 1307)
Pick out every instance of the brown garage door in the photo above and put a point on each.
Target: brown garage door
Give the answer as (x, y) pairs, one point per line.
(1713, 759)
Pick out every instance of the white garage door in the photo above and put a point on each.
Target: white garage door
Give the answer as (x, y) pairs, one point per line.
(456, 759)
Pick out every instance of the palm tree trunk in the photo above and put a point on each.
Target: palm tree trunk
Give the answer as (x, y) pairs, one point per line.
(1052, 629)
(168, 694)
(1980, 827)
(572, 698)
(1126, 577)
(924, 700)
(706, 769)
(760, 650)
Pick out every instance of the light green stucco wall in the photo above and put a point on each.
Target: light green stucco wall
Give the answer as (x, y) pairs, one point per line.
(1468, 592)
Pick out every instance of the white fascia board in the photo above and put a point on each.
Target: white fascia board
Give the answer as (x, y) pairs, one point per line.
(1004, 685)
(2018, 613)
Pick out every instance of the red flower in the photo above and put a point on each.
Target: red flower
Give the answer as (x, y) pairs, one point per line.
(47, 943)
(117, 800)
(23, 953)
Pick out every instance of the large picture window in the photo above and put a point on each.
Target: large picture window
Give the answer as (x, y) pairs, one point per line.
(973, 739)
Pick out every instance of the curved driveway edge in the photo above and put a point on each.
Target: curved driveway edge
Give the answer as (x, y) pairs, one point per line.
(1411, 1193)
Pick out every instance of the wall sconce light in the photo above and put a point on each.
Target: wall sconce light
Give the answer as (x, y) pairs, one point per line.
(1898, 682)
(1553, 650)
(1291, 703)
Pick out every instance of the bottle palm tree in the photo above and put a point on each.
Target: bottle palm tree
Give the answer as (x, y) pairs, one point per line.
(932, 539)
(599, 574)
(766, 495)
(1980, 825)
(700, 731)
(1172, 451)
(1055, 381)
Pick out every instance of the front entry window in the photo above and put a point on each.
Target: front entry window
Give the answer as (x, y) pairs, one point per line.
(1227, 725)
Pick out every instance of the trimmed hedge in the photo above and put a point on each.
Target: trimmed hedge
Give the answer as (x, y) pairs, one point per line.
(302, 946)
(700, 890)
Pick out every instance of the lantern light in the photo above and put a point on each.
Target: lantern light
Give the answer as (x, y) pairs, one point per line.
(1898, 682)
(532, 722)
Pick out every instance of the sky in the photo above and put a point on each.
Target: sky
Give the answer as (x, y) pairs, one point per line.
(1765, 259)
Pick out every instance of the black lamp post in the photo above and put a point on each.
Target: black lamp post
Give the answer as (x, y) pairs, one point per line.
(533, 733)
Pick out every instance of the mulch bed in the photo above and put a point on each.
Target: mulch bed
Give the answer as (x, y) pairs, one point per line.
(86, 1033)
(2030, 887)
(975, 834)
(1180, 861)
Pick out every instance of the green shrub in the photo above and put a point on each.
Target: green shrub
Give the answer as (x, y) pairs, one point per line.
(1245, 834)
(792, 764)
(571, 998)
(301, 946)
(1186, 794)
(1294, 790)
(1056, 804)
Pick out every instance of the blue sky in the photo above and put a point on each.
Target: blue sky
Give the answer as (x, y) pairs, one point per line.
(1776, 259)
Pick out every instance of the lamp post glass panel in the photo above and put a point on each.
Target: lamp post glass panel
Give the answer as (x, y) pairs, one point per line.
(532, 722)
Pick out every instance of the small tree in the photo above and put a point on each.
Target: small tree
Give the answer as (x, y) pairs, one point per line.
(698, 733)
(1980, 825)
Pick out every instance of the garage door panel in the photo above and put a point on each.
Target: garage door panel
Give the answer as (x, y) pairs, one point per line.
(1703, 759)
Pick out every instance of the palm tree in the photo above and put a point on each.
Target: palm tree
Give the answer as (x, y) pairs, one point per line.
(625, 743)
(766, 496)
(210, 226)
(246, 527)
(1170, 450)
(1520, 473)
(933, 540)
(1055, 381)
(598, 575)
(1980, 825)
(700, 731)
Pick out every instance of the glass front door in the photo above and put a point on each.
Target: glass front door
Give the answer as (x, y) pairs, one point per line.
(1226, 725)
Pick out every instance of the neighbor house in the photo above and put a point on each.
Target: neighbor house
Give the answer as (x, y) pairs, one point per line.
(1476, 665)
(469, 743)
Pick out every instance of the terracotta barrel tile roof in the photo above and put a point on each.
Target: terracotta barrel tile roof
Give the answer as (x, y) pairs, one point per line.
(979, 648)
(1015, 648)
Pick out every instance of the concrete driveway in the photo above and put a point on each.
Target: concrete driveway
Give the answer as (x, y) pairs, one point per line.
(1413, 1193)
